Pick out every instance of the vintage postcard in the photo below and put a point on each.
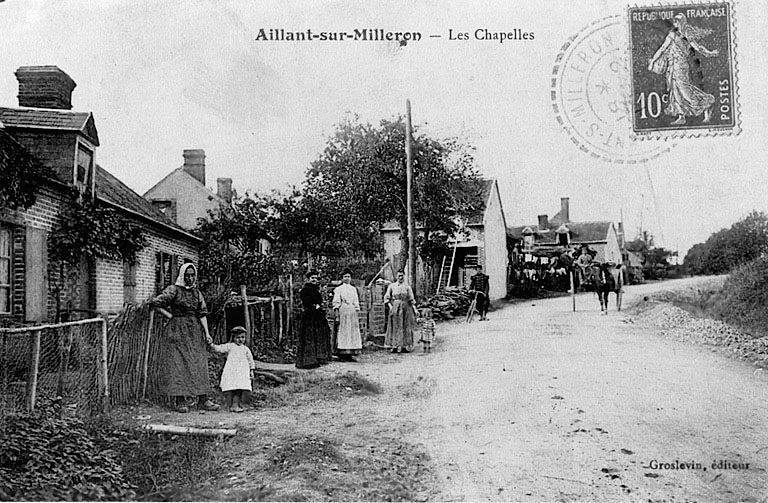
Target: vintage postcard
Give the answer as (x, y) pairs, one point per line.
(383, 250)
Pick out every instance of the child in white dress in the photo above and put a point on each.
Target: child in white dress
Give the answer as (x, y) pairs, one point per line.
(426, 328)
(238, 370)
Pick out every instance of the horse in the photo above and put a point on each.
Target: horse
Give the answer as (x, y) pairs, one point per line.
(600, 278)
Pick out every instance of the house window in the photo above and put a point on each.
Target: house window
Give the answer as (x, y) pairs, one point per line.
(129, 282)
(562, 239)
(84, 167)
(167, 208)
(5, 269)
(166, 270)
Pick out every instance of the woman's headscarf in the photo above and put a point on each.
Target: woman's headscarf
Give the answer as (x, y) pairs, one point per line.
(182, 271)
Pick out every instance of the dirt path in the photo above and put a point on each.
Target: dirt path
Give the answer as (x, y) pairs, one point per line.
(537, 404)
(541, 403)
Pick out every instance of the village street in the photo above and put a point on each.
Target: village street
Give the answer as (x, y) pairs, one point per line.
(536, 404)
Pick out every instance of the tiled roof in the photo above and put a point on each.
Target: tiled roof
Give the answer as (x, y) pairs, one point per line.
(581, 232)
(112, 190)
(36, 118)
(476, 218)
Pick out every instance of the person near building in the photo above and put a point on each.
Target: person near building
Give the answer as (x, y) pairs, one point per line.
(402, 315)
(314, 346)
(184, 349)
(238, 370)
(479, 286)
(346, 305)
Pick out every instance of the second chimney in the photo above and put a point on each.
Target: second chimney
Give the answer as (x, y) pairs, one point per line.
(194, 164)
(565, 210)
(224, 189)
(543, 222)
(44, 87)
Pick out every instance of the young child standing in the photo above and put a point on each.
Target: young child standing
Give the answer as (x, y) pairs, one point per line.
(426, 328)
(238, 370)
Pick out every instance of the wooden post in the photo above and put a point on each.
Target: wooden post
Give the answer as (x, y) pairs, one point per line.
(289, 307)
(281, 309)
(272, 320)
(145, 363)
(104, 365)
(573, 290)
(34, 370)
(247, 316)
(409, 201)
(4, 361)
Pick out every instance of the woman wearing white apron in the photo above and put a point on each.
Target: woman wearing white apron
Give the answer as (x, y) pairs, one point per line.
(346, 305)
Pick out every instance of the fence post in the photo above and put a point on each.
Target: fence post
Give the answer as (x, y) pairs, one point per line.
(272, 320)
(34, 370)
(247, 315)
(104, 365)
(145, 363)
(3, 359)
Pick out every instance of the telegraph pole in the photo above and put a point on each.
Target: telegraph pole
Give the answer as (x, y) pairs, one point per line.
(409, 199)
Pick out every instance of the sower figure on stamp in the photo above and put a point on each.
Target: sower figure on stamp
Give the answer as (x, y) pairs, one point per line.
(671, 60)
(479, 285)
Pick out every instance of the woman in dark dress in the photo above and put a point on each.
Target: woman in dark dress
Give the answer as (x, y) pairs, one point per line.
(184, 350)
(314, 347)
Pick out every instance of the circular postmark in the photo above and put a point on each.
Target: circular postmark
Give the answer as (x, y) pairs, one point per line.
(591, 95)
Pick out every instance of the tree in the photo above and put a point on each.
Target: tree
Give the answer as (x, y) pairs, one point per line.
(231, 253)
(726, 249)
(359, 183)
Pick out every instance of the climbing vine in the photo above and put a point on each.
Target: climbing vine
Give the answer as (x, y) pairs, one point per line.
(20, 175)
(91, 230)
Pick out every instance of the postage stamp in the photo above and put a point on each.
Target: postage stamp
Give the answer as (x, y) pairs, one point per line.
(683, 70)
(591, 95)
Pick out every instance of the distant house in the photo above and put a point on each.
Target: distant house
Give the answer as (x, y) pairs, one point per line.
(44, 130)
(560, 232)
(183, 196)
(483, 243)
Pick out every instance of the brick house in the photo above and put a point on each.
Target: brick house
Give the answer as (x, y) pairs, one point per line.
(483, 242)
(44, 130)
(560, 232)
(183, 196)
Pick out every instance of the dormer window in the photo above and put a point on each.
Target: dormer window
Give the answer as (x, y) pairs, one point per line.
(84, 167)
(563, 236)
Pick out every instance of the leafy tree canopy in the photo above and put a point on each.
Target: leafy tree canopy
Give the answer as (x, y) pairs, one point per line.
(726, 249)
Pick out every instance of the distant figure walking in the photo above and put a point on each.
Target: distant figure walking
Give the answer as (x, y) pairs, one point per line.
(402, 311)
(314, 347)
(184, 353)
(346, 305)
(480, 286)
(238, 370)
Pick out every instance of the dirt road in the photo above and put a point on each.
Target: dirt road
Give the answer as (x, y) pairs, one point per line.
(537, 404)
(541, 403)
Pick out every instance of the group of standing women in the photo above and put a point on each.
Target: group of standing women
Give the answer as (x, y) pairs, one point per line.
(316, 344)
(184, 371)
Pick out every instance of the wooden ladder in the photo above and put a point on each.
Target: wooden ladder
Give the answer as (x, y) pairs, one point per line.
(445, 274)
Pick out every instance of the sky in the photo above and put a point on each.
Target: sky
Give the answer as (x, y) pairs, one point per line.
(161, 77)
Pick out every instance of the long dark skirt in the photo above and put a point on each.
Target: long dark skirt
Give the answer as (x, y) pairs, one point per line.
(184, 358)
(314, 346)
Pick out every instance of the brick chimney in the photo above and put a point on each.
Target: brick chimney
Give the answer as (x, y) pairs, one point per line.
(194, 164)
(224, 189)
(543, 222)
(565, 211)
(44, 87)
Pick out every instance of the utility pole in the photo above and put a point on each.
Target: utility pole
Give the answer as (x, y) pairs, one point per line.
(409, 199)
